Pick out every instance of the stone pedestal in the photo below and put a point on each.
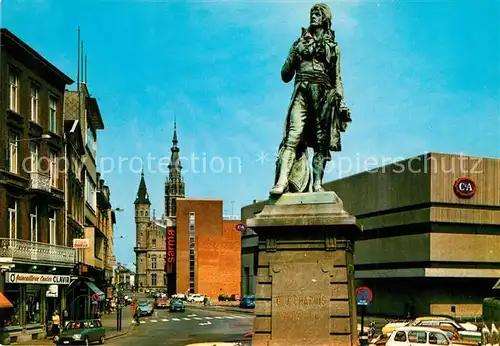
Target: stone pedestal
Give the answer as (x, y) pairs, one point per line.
(305, 281)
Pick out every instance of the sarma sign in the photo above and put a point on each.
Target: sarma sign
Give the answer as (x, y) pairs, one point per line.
(171, 250)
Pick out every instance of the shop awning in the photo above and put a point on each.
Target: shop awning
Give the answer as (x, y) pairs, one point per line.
(97, 295)
(4, 302)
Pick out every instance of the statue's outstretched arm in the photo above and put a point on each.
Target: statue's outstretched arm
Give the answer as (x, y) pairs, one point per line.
(290, 65)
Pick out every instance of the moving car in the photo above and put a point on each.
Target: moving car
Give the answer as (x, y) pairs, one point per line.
(247, 302)
(81, 332)
(177, 305)
(162, 303)
(147, 308)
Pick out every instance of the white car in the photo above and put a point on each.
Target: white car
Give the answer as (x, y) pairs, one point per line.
(198, 298)
(410, 336)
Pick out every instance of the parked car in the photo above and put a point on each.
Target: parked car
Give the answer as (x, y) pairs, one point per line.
(393, 325)
(411, 335)
(436, 321)
(247, 302)
(456, 338)
(235, 297)
(198, 298)
(177, 305)
(223, 298)
(81, 332)
(147, 308)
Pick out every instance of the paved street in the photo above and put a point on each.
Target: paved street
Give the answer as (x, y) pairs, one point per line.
(181, 328)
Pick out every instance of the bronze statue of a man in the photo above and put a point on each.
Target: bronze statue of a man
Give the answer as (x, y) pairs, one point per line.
(317, 112)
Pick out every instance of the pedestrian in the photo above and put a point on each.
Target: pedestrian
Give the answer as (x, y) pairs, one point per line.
(56, 320)
(137, 314)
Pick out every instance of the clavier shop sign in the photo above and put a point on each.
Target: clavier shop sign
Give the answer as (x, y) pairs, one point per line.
(44, 279)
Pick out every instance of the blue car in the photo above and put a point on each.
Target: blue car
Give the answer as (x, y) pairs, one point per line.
(146, 308)
(177, 305)
(247, 302)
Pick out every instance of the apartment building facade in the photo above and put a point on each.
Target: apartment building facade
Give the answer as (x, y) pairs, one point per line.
(92, 269)
(36, 259)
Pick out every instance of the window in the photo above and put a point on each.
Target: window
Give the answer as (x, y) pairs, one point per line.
(14, 90)
(153, 280)
(153, 262)
(153, 243)
(400, 336)
(90, 192)
(34, 223)
(13, 140)
(436, 338)
(52, 114)
(191, 251)
(52, 227)
(13, 219)
(14, 296)
(91, 141)
(34, 152)
(419, 337)
(33, 304)
(35, 91)
(54, 174)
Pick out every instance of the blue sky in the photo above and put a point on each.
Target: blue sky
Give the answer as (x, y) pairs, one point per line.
(418, 77)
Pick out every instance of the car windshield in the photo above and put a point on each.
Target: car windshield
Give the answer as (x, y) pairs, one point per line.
(76, 325)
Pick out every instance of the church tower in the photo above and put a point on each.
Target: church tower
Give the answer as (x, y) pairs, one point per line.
(142, 218)
(174, 185)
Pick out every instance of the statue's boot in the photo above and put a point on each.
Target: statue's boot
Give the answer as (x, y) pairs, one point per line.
(318, 170)
(286, 163)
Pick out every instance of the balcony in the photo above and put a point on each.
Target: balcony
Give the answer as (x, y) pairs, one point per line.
(39, 181)
(29, 251)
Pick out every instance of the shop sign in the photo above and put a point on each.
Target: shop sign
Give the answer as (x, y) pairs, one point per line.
(52, 291)
(43, 279)
(464, 187)
(81, 243)
(171, 243)
(111, 259)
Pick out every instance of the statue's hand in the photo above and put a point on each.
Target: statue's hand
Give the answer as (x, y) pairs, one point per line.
(300, 48)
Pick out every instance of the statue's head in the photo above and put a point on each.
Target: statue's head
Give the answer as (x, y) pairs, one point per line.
(321, 16)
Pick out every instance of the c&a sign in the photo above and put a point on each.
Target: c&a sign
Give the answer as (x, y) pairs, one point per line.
(171, 249)
(42, 279)
(464, 187)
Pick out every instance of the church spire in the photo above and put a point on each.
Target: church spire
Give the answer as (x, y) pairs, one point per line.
(174, 140)
(174, 185)
(142, 192)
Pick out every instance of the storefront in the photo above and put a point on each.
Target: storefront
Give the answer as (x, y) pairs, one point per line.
(34, 298)
(85, 299)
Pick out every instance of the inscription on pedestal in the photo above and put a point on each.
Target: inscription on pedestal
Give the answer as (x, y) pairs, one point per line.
(300, 304)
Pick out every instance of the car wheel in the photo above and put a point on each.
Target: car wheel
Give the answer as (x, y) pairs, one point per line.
(101, 340)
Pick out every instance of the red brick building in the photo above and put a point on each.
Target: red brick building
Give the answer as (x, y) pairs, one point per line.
(208, 249)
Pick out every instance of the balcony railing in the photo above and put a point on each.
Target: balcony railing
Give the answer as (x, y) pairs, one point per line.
(23, 250)
(39, 181)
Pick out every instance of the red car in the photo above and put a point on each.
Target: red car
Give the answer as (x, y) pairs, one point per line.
(162, 303)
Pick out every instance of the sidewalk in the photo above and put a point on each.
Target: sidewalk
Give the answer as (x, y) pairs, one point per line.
(108, 322)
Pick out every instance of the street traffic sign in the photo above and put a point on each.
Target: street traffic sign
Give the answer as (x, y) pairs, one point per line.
(240, 227)
(364, 295)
